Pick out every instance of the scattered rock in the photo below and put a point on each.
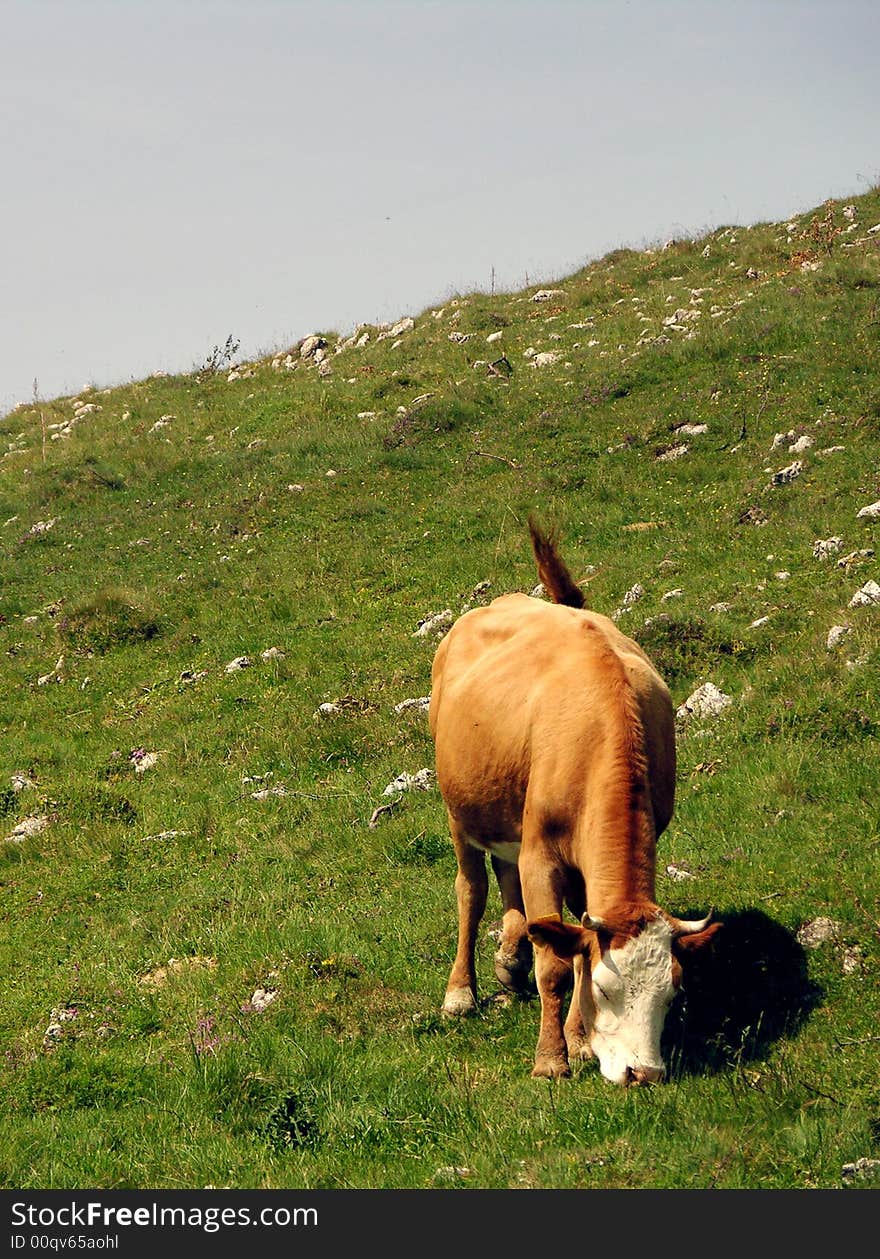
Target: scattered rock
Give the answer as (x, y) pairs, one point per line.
(677, 593)
(261, 999)
(692, 430)
(142, 760)
(788, 474)
(856, 557)
(546, 295)
(679, 874)
(866, 596)
(706, 701)
(26, 828)
(423, 780)
(438, 624)
(54, 675)
(546, 358)
(852, 960)
(803, 443)
(862, 1168)
(163, 835)
(752, 516)
(421, 704)
(309, 346)
(41, 526)
(836, 635)
(720, 607)
(871, 512)
(817, 931)
(272, 653)
(240, 662)
(264, 793)
(59, 1023)
(823, 547)
(674, 452)
(762, 620)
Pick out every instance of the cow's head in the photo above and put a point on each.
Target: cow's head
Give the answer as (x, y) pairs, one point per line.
(632, 971)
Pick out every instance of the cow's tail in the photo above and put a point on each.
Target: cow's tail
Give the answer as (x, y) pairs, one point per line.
(554, 575)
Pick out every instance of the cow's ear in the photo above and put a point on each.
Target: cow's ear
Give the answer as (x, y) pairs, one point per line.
(686, 944)
(564, 939)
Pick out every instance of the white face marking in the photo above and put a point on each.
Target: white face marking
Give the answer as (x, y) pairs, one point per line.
(632, 990)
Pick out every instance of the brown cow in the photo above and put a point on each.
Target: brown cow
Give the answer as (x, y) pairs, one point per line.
(555, 748)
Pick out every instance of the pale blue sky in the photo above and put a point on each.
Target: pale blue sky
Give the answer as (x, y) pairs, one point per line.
(171, 173)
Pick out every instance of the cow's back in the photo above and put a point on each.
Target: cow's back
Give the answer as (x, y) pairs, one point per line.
(523, 688)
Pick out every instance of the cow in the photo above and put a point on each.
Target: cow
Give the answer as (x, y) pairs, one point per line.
(555, 753)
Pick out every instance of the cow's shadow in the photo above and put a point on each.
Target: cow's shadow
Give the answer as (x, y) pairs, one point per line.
(745, 991)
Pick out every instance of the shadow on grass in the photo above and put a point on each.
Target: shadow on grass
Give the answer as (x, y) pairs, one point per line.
(740, 996)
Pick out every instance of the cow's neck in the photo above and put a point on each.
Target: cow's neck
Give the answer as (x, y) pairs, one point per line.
(618, 840)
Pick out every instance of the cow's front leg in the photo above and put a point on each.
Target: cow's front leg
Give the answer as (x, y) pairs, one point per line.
(471, 890)
(553, 976)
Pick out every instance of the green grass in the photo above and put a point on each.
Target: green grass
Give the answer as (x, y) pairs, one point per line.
(327, 515)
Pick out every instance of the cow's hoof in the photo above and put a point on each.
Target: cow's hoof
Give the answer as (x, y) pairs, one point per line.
(457, 1002)
(512, 973)
(579, 1049)
(551, 1069)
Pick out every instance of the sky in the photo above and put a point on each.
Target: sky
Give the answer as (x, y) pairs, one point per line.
(173, 172)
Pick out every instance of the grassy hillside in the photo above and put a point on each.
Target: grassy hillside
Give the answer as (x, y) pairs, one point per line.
(222, 966)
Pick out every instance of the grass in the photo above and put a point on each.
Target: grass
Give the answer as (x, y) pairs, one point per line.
(205, 833)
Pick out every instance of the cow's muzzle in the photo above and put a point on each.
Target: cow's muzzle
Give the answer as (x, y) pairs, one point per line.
(645, 1075)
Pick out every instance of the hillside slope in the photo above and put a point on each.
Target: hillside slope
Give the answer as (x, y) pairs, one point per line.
(217, 601)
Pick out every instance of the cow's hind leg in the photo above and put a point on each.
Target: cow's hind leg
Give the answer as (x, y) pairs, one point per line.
(471, 891)
(513, 960)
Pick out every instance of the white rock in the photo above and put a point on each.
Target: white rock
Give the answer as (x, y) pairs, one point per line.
(871, 512)
(785, 475)
(823, 547)
(866, 596)
(692, 430)
(678, 874)
(816, 931)
(706, 701)
(54, 675)
(26, 828)
(438, 623)
(21, 782)
(310, 345)
(423, 780)
(779, 439)
(836, 635)
(633, 595)
(674, 452)
(546, 358)
(142, 760)
(240, 662)
(803, 443)
(546, 295)
(262, 997)
(421, 704)
(762, 620)
(272, 653)
(265, 792)
(721, 607)
(672, 594)
(494, 336)
(42, 526)
(459, 337)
